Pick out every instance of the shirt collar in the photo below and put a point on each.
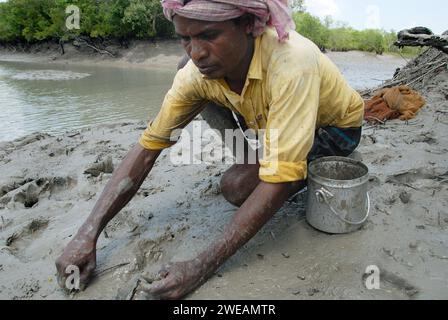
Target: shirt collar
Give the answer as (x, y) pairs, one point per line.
(255, 68)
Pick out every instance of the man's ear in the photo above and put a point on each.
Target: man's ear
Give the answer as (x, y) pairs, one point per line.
(249, 21)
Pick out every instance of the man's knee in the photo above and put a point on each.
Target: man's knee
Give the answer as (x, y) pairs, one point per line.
(355, 138)
(238, 183)
(230, 189)
(358, 137)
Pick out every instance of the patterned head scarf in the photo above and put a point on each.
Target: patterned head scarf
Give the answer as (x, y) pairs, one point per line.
(266, 12)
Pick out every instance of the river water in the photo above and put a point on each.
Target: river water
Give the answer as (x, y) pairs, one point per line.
(57, 98)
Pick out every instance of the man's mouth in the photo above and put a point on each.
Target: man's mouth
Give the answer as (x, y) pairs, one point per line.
(207, 69)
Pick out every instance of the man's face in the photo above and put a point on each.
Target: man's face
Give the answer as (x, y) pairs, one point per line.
(218, 49)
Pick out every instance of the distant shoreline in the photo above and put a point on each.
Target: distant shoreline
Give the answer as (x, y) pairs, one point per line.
(161, 54)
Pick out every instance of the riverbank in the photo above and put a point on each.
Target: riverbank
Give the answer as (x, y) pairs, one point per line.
(138, 54)
(46, 192)
(163, 54)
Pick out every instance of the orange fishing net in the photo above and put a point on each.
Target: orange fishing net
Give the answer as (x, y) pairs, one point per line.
(392, 103)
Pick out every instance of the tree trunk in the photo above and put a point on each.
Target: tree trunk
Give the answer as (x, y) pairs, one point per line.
(154, 25)
(61, 44)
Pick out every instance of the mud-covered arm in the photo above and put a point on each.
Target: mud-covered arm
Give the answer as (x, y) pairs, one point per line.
(126, 180)
(181, 278)
(255, 212)
(121, 188)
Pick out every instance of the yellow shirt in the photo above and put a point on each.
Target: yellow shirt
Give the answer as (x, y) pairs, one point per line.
(290, 86)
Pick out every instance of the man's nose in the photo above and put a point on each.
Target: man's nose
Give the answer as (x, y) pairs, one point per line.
(198, 51)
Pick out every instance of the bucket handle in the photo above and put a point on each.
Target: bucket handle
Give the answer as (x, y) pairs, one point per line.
(325, 194)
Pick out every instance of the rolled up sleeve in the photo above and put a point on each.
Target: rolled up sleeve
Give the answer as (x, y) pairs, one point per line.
(181, 105)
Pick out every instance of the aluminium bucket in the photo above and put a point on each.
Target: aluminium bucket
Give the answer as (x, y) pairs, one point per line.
(338, 201)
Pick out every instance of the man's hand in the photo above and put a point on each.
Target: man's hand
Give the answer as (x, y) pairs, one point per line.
(178, 279)
(80, 253)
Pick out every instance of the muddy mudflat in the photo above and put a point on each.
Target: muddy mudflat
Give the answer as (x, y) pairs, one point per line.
(49, 184)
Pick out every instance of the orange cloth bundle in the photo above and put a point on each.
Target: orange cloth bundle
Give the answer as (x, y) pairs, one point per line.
(392, 103)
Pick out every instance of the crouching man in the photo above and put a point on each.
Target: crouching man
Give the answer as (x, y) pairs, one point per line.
(244, 56)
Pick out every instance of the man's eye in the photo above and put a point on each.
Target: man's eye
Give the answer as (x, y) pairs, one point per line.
(209, 36)
(182, 38)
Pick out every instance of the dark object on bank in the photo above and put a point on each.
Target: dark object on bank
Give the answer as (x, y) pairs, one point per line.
(422, 37)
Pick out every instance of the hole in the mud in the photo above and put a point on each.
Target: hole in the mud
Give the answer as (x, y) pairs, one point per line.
(30, 202)
(40, 182)
(61, 182)
(37, 225)
(13, 186)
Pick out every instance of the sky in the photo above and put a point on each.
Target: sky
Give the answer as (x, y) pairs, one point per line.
(384, 14)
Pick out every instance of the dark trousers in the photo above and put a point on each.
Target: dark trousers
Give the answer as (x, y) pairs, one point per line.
(333, 141)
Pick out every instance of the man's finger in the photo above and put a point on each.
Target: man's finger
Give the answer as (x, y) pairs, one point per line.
(86, 275)
(58, 265)
(61, 280)
(151, 291)
(84, 280)
(160, 287)
(165, 271)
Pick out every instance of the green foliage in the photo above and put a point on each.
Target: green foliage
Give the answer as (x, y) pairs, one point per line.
(37, 20)
(344, 38)
(145, 19)
(297, 5)
(312, 28)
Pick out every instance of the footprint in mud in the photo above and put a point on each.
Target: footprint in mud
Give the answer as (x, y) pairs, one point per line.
(211, 189)
(400, 283)
(13, 185)
(382, 160)
(151, 250)
(146, 251)
(30, 139)
(5, 222)
(29, 195)
(426, 137)
(105, 166)
(19, 191)
(27, 289)
(126, 223)
(19, 241)
(61, 151)
(146, 192)
(374, 181)
(28, 192)
(413, 175)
